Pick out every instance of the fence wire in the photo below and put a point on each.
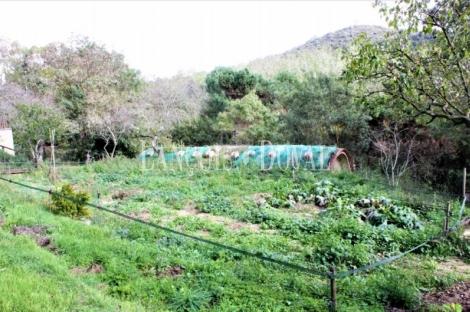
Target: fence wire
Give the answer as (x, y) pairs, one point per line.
(233, 249)
(246, 253)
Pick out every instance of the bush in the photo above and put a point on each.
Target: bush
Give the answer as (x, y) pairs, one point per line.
(73, 209)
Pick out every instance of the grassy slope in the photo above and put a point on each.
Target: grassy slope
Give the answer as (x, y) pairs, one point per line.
(134, 255)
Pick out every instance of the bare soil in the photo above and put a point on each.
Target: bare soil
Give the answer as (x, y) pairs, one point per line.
(230, 224)
(92, 269)
(457, 293)
(95, 268)
(237, 225)
(86, 221)
(306, 210)
(309, 208)
(171, 272)
(260, 198)
(204, 232)
(121, 194)
(466, 234)
(454, 266)
(35, 230)
(143, 215)
(38, 232)
(43, 241)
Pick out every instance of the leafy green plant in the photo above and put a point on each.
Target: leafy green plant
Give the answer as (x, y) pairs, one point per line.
(74, 207)
(452, 307)
(400, 216)
(214, 204)
(187, 299)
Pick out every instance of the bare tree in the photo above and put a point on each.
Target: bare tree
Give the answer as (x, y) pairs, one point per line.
(167, 102)
(12, 94)
(111, 126)
(30, 115)
(396, 151)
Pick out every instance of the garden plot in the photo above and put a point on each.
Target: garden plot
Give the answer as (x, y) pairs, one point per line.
(313, 222)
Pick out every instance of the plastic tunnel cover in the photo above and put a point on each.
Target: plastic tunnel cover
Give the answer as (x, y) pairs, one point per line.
(266, 157)
(341, 160)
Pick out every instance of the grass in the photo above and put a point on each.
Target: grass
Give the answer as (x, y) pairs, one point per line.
(137, 258)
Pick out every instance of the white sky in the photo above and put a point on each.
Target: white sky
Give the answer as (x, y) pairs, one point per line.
(160, 38)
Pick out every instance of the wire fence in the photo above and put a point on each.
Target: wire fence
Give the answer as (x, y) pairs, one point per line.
(332, 275)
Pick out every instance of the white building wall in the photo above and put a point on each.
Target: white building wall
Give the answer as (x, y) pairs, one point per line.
(6, 140)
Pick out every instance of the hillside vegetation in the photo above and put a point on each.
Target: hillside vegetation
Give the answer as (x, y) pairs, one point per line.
(322, 54)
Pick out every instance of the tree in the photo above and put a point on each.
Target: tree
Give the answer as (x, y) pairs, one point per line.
(12, 94)
(166, 103)
(198, 132)
(318, 109)
(85, 80)
(112, 126)
(224, 84)
(32, 123)
(396, 148)
(428, 80)
(249, 119)
(325, 60)
(31, 116)
(234, 84)
(82, 76)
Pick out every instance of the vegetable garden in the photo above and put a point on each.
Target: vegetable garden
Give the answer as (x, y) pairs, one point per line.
(279, 221)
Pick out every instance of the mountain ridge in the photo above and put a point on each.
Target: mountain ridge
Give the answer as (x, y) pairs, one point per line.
(321, 54)
(342, 38)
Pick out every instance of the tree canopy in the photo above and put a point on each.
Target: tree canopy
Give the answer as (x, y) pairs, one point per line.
(427, 81)
(94, 87)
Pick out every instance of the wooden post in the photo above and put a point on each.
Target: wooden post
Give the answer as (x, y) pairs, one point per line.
(446, 220)
(52, 169)
(464, 182)
(333, 302)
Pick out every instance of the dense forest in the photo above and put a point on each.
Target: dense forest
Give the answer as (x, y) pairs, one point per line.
(397, 98)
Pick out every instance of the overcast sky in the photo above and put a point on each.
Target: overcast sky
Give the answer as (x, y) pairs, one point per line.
(160, 38)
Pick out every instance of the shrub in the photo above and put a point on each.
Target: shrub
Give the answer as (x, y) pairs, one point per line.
(73, 209)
